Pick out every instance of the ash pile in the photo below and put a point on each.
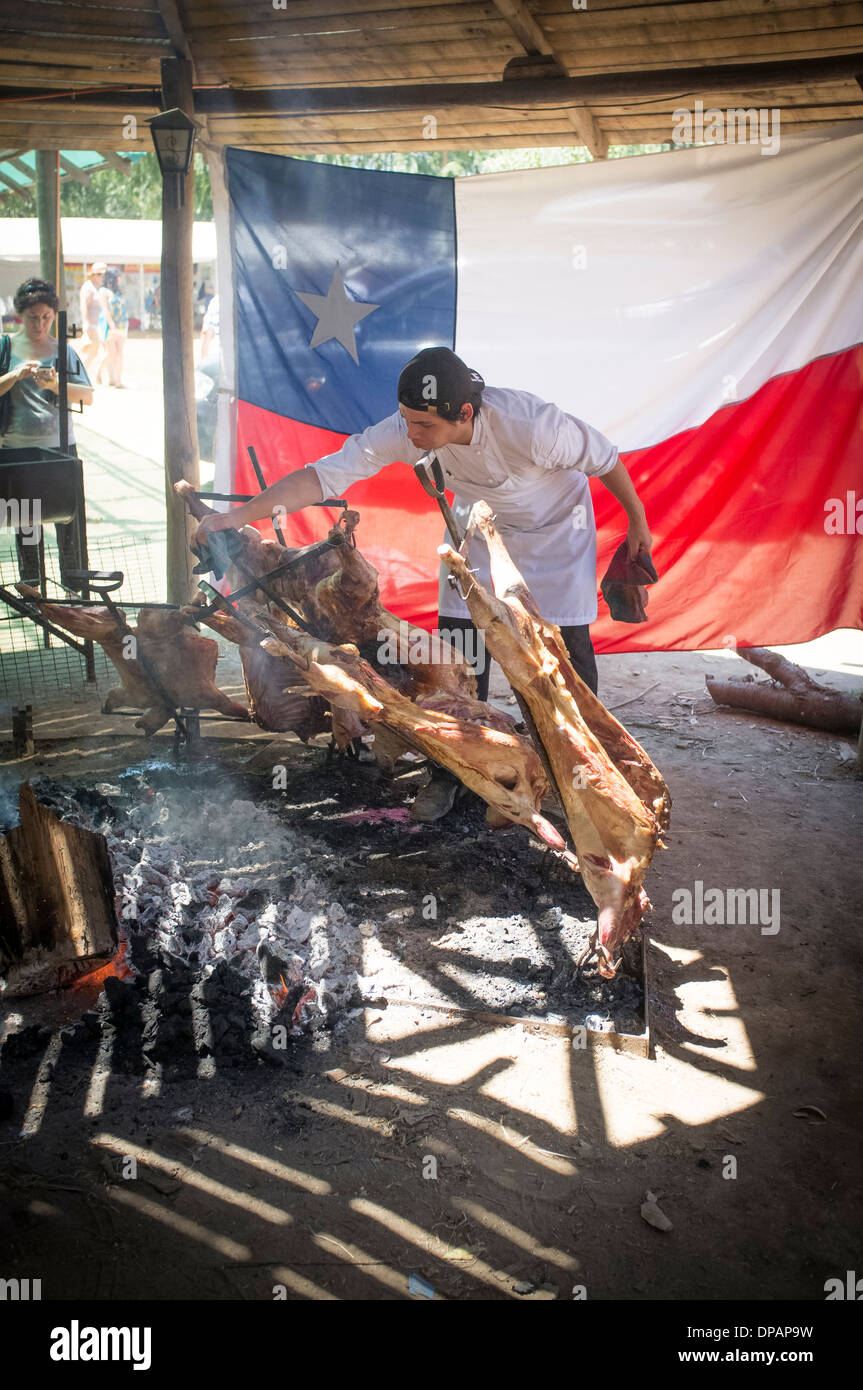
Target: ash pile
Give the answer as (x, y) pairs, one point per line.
(215, 962)
(252, 922)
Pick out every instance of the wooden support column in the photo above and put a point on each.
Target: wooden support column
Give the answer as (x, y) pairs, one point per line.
(48, 214)
(178, 373)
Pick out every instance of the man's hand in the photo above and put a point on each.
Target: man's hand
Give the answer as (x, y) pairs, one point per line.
(217, 521)
(638, 536)
(27, 370)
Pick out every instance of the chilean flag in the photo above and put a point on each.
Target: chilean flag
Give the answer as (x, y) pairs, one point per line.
(703, 308)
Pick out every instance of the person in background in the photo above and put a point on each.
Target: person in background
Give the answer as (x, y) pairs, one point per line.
(32, 385)
(90, 307)
(106, 323)
(209, 339)
(117, 313)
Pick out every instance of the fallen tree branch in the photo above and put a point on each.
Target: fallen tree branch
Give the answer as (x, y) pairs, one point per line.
(792, 696)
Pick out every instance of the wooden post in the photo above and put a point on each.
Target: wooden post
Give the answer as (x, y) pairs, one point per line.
(22, 732)
(178, 373)
(48, 212)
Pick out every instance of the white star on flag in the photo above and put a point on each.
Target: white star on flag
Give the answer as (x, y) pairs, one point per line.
(336, 314)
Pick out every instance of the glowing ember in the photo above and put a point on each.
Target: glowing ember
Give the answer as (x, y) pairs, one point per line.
(117, 966)
(280, 995)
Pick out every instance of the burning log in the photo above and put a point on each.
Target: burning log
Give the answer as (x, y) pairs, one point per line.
(616, 802)
(56, 901)
(791, 696)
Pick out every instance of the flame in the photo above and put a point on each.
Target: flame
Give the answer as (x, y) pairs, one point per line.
(280, 995)
(118, 966)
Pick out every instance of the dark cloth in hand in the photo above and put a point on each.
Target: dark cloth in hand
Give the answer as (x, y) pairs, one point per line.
(624, 585)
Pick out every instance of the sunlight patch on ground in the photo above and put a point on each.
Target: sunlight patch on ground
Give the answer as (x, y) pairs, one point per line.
(639, 1098)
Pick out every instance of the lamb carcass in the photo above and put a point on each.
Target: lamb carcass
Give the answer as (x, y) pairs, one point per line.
(279, 700)
(337, 592)
(183, 660)
(497, 763)
(615, 800)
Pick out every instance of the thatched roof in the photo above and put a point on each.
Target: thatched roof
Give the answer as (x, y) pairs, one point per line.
(363, 75)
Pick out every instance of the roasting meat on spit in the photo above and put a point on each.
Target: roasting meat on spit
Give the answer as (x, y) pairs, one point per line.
(616, 802)
(184, 661)
(491, 758)
(336, 591)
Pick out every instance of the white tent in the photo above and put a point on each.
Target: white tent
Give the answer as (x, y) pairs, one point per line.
(133, 243)
(110, 239)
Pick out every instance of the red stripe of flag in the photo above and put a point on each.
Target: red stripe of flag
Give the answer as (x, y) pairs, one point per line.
(739, 508)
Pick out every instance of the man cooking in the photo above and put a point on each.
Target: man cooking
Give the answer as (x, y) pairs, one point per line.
(527, 458)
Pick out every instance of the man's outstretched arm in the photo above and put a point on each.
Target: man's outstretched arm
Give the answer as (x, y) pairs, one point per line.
(360, 457)
(621, 486)
(290, 494)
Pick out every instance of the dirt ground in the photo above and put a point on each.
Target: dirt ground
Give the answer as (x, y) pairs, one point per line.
(490, 1158)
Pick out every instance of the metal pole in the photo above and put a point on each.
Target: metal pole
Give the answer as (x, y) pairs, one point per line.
(63, 374)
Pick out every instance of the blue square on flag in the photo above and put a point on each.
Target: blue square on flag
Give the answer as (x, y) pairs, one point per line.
(341, 276)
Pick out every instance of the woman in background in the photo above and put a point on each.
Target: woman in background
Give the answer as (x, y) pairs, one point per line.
(104, 326)
(29, 401)
(118, 314)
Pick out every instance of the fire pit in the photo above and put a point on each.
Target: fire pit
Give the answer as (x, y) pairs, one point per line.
(252, 922)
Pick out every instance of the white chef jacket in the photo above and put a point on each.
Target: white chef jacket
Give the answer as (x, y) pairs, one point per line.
(530, 461)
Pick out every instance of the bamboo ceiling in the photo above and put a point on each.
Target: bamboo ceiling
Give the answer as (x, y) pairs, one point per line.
(336, 55)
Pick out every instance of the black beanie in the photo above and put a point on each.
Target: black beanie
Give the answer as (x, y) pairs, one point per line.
(438, 381)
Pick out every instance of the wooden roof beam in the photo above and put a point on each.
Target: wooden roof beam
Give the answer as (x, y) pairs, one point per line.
(173, 22)
(535, 41)
(527, 92)
(525, 26)
(586, 128)
(13, 187)
(73, 172)
(117, 161)
(172, 18)
(29, 174)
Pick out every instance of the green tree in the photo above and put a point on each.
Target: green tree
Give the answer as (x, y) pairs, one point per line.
(111, 193)
(136, 194)
(457, 163)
